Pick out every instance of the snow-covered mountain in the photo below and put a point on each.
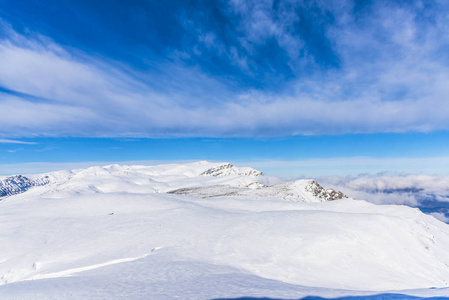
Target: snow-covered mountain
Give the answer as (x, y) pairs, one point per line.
(229, 169)
(200, 179)
(208, 230)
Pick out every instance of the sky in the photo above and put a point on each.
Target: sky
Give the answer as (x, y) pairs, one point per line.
(296, 88)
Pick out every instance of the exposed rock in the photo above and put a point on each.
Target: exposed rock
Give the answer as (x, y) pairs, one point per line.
(209, 191)
(296, 191)
(325, 194)
(18, 184)
(229, 169)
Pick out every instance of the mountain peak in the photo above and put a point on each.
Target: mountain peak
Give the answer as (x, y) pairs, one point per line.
(227, 169)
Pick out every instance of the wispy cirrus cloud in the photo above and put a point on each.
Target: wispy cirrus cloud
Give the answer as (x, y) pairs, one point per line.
(9, 141)
(344, 68)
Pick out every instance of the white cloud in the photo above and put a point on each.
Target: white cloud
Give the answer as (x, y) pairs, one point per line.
(390, 188)
(9, 141)
(391, 182)
(440, 216)
(398, 84)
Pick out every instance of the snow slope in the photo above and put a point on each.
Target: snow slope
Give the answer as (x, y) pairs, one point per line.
(113, 232)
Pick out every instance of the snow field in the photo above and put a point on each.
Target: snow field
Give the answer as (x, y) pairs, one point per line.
(102, 225)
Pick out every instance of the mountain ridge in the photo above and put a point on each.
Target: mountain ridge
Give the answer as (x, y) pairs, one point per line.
(214, 180)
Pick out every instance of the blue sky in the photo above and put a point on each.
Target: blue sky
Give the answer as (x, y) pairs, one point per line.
(310, 85)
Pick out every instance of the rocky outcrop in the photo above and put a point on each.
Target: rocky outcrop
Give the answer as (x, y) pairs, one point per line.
(229, 169)
(322, 193)
(18, 184)
(296, 191)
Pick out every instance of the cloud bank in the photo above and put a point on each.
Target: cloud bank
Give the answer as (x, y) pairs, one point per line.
(278, 68)
(429, 193)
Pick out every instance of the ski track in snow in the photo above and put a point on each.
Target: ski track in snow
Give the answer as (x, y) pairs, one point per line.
(70, 272)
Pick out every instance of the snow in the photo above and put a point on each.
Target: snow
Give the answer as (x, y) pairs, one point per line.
(113, 232)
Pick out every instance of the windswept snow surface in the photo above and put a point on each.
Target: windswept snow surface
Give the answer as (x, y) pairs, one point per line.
(115, 233)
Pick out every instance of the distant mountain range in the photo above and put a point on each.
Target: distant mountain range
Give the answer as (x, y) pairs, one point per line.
(217, 179)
